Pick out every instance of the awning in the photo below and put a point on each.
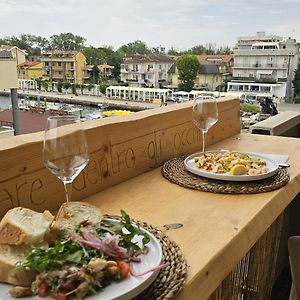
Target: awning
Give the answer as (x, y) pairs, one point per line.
(265, 72)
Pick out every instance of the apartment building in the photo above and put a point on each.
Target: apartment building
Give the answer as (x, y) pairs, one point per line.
(214, 70)
(264, 66)
(30, 70)
(64, 66)
(149, 70)
(18, 54)
(8, 70)
(208, 78)
(222, 61)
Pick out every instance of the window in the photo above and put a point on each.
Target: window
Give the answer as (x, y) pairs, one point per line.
(59, 64)
(135, 68)
(150, 67)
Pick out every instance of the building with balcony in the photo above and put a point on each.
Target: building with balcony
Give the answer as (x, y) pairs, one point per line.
(264, 66)
(213, 72)
(30, 70)
(106, 70)
(16, 53)
(149, 70)
(95, 71)
(64, 66)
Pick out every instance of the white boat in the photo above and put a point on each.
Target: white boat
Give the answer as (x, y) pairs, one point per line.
(94, 115)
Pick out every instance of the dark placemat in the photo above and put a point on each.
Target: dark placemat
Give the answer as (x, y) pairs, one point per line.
(170, 279)
(175, 171)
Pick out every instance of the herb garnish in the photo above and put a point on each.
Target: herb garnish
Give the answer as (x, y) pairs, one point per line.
(66, 252)
(130, 232)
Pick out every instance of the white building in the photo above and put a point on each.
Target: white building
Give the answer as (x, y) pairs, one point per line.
(264, 66)
(137, 93)
(149, 70)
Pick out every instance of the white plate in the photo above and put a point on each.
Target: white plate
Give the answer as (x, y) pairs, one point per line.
(127, 288)
(191, 166)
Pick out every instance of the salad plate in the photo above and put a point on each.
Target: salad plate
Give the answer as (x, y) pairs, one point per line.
(125, 289)
(191, 166)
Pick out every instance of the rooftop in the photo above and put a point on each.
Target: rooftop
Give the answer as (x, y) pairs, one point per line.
(28, 64)
(29, 122)
(138, 58)
(9, 48)
(60, 53)
(215, 59)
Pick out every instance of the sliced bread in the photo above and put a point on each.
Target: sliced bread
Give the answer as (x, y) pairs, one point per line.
(9, 256)
(24, 226)
(73, 213)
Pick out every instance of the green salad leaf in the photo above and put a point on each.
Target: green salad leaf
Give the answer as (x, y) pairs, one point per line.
(130, 232)
(53, 258)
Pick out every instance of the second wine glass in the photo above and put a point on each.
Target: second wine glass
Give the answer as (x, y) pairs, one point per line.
(65, 149)
(205, 115)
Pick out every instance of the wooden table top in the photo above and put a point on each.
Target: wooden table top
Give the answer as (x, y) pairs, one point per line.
(218, 229)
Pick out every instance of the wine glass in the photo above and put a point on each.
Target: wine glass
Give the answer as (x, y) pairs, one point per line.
(65, 151)
(205, 115)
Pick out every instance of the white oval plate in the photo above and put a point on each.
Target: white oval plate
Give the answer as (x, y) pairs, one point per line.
(191, 166)
(125, 289)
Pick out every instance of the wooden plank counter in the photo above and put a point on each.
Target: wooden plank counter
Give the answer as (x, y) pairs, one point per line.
(217, 229)
(124, 172)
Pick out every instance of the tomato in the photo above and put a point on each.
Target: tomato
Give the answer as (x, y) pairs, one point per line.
(69, 286)
(43, 290)
(124, 268)
(59, 296)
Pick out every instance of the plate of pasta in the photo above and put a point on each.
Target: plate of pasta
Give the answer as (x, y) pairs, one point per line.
(231, 165)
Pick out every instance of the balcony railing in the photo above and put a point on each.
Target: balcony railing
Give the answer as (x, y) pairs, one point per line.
(279, 52)
(261, 66)
(259, 80)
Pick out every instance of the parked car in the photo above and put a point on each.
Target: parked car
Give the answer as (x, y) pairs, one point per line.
(172, 98)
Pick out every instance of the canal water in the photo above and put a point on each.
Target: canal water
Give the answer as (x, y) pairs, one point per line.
(87, 112)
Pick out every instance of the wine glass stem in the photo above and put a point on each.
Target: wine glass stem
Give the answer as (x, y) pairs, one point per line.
(68, 187)
(203, 140)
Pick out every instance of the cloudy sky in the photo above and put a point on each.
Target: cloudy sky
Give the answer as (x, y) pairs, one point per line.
(181, 24)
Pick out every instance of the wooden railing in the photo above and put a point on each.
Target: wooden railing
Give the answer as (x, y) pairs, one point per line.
(120, 148)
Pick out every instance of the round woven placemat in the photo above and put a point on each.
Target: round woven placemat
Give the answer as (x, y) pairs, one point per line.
(170, 279)
(175, 171)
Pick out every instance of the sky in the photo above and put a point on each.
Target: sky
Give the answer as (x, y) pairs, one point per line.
(179, 24)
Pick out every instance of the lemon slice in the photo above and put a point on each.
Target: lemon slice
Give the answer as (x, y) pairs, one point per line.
(238, 170)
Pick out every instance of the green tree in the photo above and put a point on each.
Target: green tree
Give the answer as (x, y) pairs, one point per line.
(94, 56)
(135, 47)
(66, 85)
(67, 41)
(199, 49)
(224, 50)
(158, 50)
(90, 87)
(45, 84)
(59, 87)
(188, 67)
(32, 44)
(173, 51)
(103, 88)
(210, 48)
(115, 60)
(296, 81)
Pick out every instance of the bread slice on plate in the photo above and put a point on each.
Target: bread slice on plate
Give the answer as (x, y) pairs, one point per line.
(24, 226)
(9, 256)
(73, 213)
